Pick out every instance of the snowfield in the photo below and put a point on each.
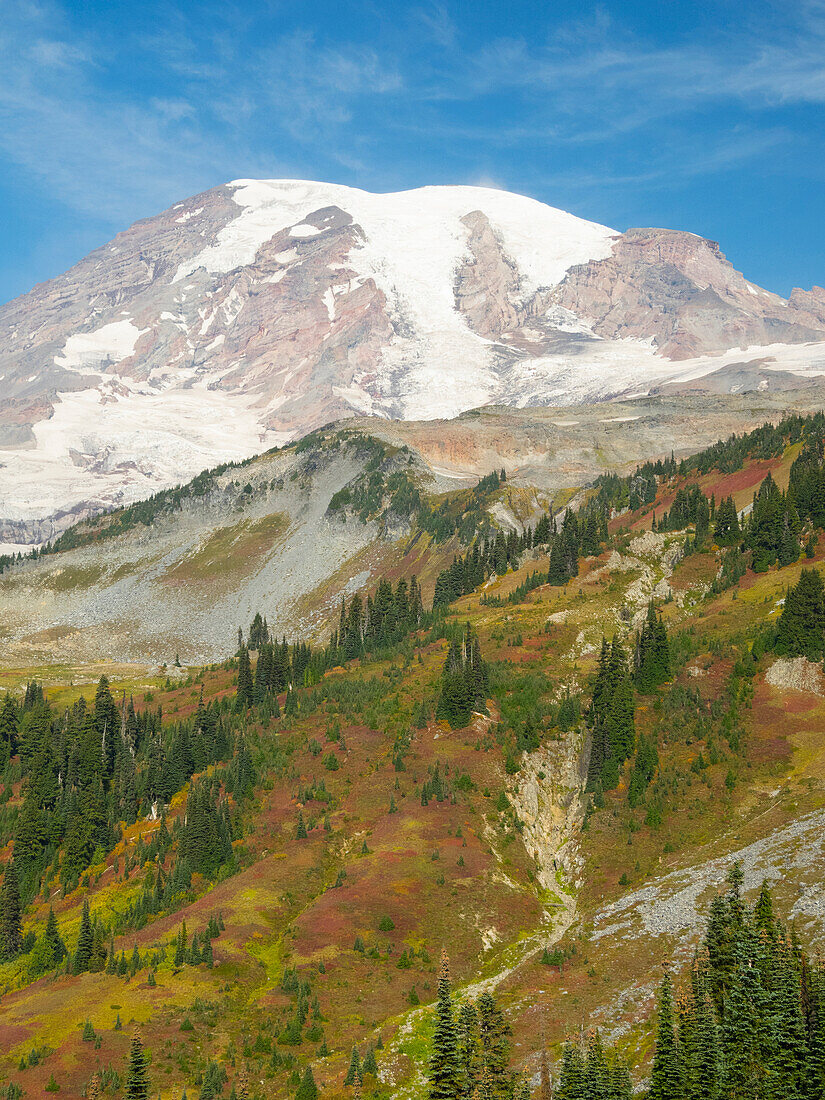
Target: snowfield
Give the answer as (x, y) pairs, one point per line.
(110, 344)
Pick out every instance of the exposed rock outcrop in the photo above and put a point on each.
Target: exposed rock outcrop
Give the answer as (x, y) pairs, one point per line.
(680, 290)
(796, 674)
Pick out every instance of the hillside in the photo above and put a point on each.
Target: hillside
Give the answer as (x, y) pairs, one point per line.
(175, 576)
(246, 316)
(347, 832)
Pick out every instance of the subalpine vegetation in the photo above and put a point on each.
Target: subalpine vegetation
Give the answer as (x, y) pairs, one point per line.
(465, 682)
(580, 535)
(88, 772)
(746, 1023)
(642, 710)
(470, 1048)
(800, 631)
(611, 718)
(89, 769)
(749, 1020)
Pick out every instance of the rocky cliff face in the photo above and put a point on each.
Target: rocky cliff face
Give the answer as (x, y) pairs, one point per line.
(252, 313)
(680, 290)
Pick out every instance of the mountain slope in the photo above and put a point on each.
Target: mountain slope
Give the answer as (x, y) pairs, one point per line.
(259, 310)
(377, 835)
(176, 575)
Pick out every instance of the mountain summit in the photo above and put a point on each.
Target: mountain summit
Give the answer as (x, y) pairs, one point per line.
(259, 310)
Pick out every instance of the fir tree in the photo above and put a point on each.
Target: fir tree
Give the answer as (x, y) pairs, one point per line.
(85, 941)
(444, 1065)
(747, 1042)
(611, 718)
(702, 1049)
(307, 1090)
(10, 913)
(573, 1083)
(464, 681)
(495, 1044)
(667, 1076)
(801, 626)
(652, 657)
(791, 1042)
(137, 1073)
(245, 695)
(726, 530)
(469, 1050)
(354, 1070)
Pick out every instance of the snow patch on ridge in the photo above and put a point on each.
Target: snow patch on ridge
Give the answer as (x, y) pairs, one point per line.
(110, 344)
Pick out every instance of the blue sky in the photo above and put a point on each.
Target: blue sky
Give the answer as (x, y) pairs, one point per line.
(706, 117)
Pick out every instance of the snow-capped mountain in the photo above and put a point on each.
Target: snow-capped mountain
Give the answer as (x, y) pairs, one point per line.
(256, 311)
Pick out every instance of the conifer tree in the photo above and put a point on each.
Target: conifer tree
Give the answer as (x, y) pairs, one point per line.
(85, 941)
(763, 912)
(726, 530)
(610, 717)
(137, 1073)
(50, 949)
(495, 1044)
(464, 681)
(10, 913)
(667, 1076)
(573, 1083)
(747, 1029)
(307, 1090)
(700, 1040)
(469, 1050)
(245, 695)
(369, 1064)
(652, 657)
(444, 1066)
(800, 630)
(790, 1037)
(598, 1074)
(354, 1070)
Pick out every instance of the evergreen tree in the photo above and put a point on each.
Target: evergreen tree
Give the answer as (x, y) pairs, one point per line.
(652, 657)
(495, 1044)
(85, 941)
(789, 1063)
(573, 1083)
(801, 626)
(354, 1071)
(245, 695)
(307, 1090)
(747, 1039)
(667, 1073)
(726, 531)
(137, 1072)
(10, 913)
(611, 718)
(464, 681)
(444, 1073)
(469, 1050)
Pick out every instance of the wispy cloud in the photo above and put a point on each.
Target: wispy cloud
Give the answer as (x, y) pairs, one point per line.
(438, 24)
